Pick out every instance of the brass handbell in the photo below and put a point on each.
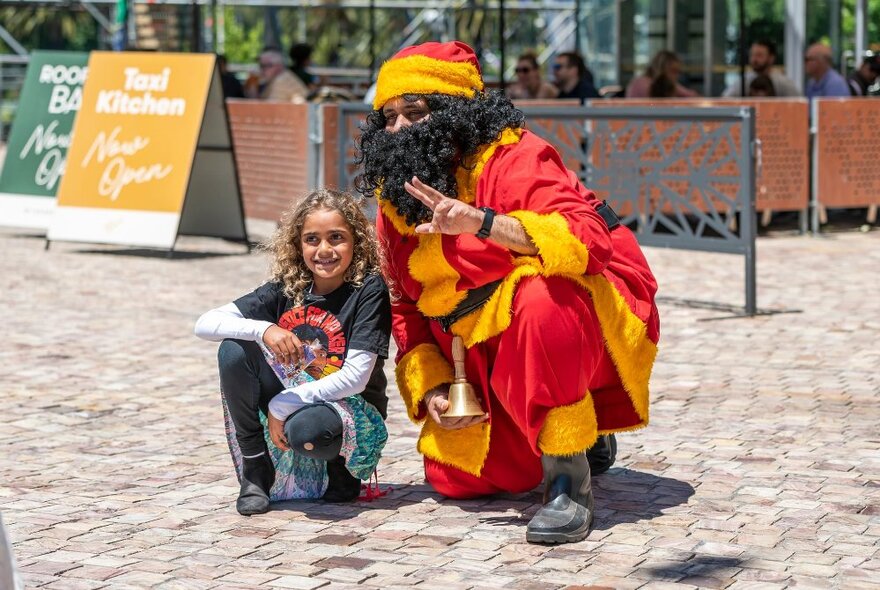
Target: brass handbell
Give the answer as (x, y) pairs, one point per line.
(462, 397)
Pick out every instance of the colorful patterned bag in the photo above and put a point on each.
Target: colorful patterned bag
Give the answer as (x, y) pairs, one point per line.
(298, 477)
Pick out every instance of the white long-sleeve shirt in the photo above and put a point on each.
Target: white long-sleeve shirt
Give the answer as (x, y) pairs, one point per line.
(228, 322)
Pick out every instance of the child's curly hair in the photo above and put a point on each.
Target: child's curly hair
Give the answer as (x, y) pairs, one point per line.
(288, 265)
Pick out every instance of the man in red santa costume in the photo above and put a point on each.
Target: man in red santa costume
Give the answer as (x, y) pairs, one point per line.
(489, 237)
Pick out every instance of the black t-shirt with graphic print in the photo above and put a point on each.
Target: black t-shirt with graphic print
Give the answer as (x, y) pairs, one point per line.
(347, 318)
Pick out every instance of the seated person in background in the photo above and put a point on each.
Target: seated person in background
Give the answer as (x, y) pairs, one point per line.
(762, 86)
(824, 79)
(662, 87)
(664, 63)
(529, 82)
(762, 57)
(573, 78)
(232, 88)
(866, 76)
(274, 81)
(300, 59)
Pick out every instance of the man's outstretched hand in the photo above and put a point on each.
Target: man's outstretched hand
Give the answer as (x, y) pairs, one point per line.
(437, 402)
(451, 216)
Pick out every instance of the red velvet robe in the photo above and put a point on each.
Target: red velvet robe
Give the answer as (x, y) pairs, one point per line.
(562, 351)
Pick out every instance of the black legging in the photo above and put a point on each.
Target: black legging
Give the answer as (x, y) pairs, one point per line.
(249, 383)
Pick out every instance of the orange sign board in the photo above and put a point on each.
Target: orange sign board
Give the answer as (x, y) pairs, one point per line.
(134, 143)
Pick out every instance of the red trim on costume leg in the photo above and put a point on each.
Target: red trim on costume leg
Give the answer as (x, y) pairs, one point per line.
(550, 354)
(511, 464)
(455, 483)
(614, 409)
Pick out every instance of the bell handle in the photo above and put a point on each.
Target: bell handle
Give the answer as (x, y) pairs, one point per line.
(458, 358)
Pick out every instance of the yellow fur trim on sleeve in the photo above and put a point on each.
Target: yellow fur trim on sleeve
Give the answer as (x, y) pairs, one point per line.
(464, 449)
(429, 266)
(419, 74)
(420, 370)
(561, 252)
(569, 429)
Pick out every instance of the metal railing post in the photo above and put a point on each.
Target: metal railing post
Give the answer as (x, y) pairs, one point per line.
(814, 168)
(315, 163)
(748, 217)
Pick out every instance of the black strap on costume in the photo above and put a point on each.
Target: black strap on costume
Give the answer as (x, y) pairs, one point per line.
(608, 214)
(474, 299)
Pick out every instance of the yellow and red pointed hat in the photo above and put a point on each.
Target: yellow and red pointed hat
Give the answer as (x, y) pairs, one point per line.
(430, 68)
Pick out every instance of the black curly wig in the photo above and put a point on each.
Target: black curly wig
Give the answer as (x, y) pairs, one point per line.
(431, 149)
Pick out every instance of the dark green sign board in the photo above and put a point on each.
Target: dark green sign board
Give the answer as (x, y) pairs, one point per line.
(41, 131)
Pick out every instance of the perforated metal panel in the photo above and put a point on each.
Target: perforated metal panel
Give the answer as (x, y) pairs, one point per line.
(679, 177)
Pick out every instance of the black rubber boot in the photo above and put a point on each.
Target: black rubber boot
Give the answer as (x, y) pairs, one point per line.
(602, 454)
(258, 475)
(343, 486)
(567, 512)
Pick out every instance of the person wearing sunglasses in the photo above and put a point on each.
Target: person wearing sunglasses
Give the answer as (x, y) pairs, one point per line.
(573, 78)
(529, 84)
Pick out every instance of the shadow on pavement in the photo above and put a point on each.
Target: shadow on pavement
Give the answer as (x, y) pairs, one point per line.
(734, 311)
(697, 570)
(622, 496)
(164, 254)
(320, 510)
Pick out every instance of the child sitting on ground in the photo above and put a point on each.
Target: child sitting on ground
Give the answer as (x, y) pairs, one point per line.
(322, 402)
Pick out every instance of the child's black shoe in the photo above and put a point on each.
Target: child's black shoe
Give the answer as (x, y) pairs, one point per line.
(343, 486)
(257, 477)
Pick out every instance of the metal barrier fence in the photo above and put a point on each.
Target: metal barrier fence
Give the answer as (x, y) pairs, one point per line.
(782, 131)
(678, 177)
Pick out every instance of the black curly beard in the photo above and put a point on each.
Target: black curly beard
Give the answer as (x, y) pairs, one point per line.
(424, 150)
(431, 149)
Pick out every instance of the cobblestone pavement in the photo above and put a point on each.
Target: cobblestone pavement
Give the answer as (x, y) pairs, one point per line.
(761, 467)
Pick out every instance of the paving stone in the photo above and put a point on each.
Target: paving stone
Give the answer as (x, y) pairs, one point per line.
(298, 582)
(68, 584)
(743, 480)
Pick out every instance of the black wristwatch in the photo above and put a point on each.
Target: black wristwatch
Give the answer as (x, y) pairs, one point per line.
(488, 219)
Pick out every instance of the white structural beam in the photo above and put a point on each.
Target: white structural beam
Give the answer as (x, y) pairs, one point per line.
(795, 33)
(861, 30)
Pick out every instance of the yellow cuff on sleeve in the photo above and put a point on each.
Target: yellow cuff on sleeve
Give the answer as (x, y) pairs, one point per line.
(419, 371)
(560, 251)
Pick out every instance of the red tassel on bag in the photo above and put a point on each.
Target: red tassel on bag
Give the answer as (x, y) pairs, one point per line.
(368, 493)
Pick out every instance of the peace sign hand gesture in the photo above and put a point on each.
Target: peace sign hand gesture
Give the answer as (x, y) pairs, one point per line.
(450, 216)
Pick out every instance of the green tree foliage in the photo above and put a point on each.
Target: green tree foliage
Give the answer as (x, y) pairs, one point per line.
(35, 27)
(244, 28)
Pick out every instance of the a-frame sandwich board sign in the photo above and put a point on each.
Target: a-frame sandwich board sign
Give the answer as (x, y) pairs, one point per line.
(151, 157)
(41, 133)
